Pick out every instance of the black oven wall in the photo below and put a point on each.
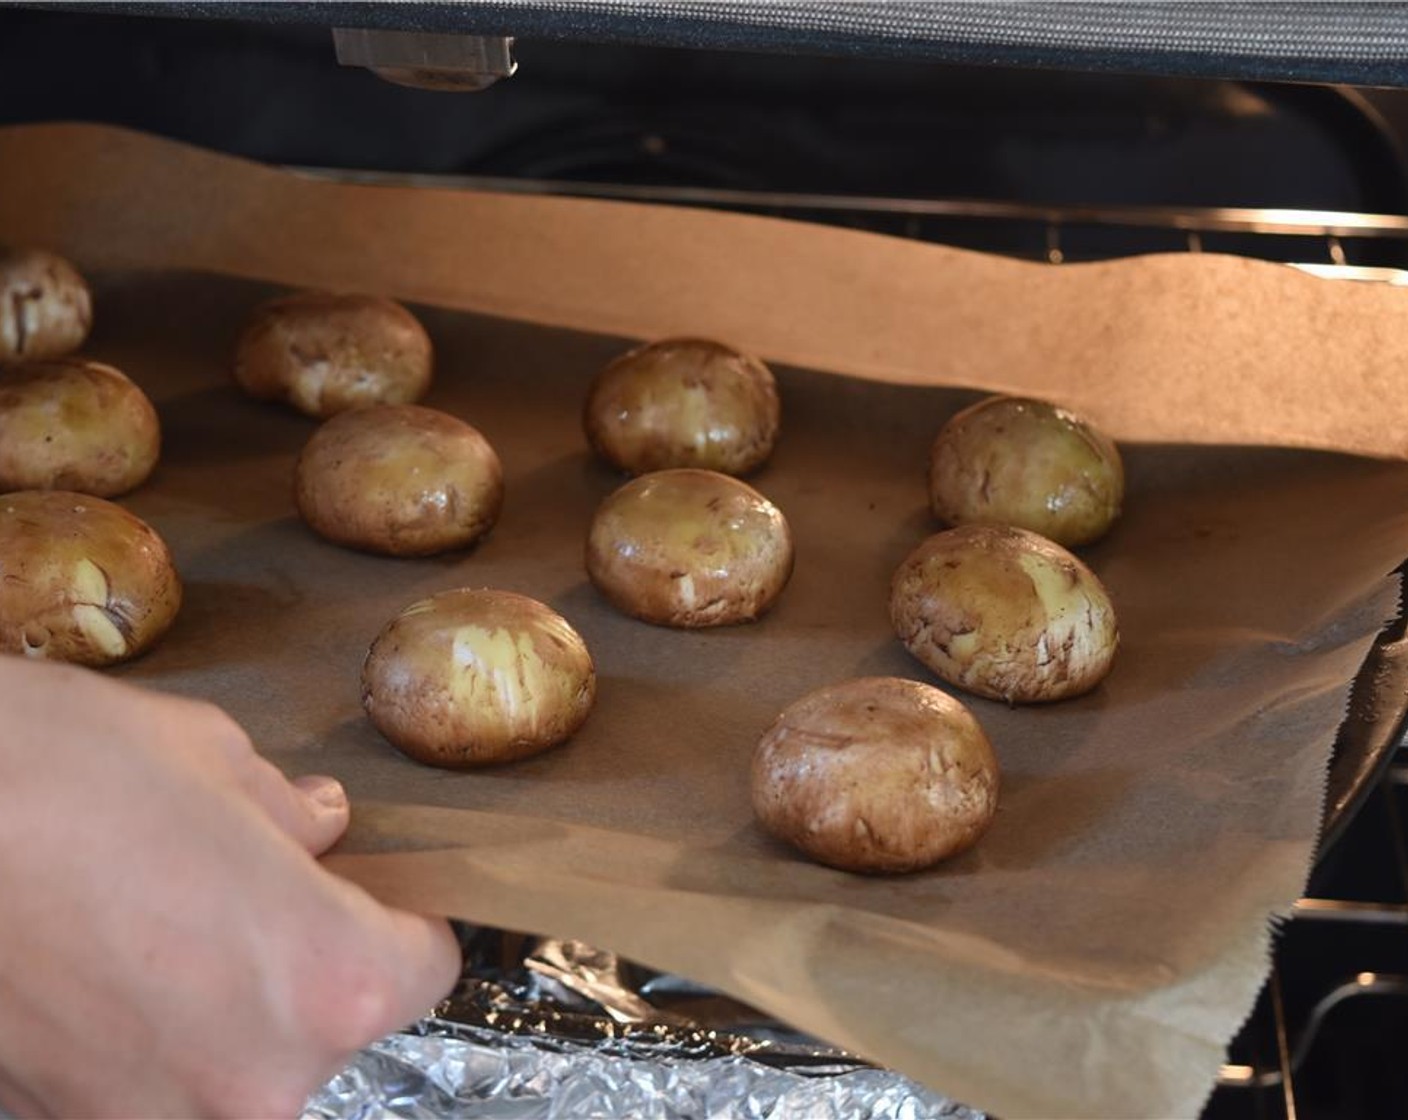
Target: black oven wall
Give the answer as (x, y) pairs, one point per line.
(752, 121)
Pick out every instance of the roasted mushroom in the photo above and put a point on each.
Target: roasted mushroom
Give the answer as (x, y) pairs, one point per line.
(877, 774)
(72, 424)
(1004, 613)
(81, 579)
(472, 677)
(400, 480)
(326, 352)
(689, 548)
(683, 402)
(1029, 464)
(45, 307)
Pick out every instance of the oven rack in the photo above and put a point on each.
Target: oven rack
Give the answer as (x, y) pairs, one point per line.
(1336, 244)
(1339, 975)
(1310, 988)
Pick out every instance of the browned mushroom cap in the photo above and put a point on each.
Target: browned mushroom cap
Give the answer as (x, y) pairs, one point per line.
(683, 402)
(45, 306)
(72, 424)
(876, 775)
(689, 548)
(472, 677)
(325, 353)
(399, 479)
(81, 579)
(1029, 464)
(1004, 613)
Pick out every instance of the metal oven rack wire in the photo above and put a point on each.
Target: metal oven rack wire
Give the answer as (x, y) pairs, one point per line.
(1345, 948)
(1335, 244)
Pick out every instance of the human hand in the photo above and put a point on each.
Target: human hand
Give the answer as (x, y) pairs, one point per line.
(169, 945)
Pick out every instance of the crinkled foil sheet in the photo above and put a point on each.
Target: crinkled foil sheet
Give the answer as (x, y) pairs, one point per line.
(541, 1029)
(451, 1070)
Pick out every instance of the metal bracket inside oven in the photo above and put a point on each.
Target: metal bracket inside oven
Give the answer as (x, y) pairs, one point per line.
(425, 60)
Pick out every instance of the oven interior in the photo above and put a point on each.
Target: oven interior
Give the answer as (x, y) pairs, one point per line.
(1043, 164)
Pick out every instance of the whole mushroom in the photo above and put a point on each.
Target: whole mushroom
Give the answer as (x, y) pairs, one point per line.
(1029, 464)
(73, 424)
(689, 548)
(471, 677)
(327, 352)
(876, 775)
(46, 309)
(683, 402)
(81, 579)
(1004, 613)
(400, 480)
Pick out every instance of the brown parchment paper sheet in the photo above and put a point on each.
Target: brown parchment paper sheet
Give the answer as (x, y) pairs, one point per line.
(1181, 348)
(1094, 954)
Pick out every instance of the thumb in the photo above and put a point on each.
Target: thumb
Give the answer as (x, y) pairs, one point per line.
(312, 809)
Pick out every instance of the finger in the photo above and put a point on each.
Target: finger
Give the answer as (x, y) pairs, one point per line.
(312, 809)
(429, 963)
(421, 962)
(330, 808)
(16, 1101)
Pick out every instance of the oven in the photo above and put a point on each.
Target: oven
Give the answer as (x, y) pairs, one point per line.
(1054, 133)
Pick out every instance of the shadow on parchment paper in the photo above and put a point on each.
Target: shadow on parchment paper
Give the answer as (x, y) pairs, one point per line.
(1082, 795)
(213, 310)
(356, 735)
(254, 546)
(1055, 810)
(560, 488)
(579, 602)
(242, 619)
(926, 883)
(282, 545)
(218, 424)
(908, 534)
(891, 659)
(539, 362)
(1025, 835)
(683, 656)
(609, 753)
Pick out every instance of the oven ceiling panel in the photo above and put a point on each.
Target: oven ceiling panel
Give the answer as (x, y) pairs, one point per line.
(1355, 43)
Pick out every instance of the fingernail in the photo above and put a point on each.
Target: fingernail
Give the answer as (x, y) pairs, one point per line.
(326, 791)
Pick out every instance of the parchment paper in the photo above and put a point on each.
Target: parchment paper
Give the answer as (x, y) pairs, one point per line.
(1094, 954)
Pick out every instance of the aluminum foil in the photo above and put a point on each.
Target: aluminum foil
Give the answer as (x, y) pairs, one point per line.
(541, 1029)
(452, 1070)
